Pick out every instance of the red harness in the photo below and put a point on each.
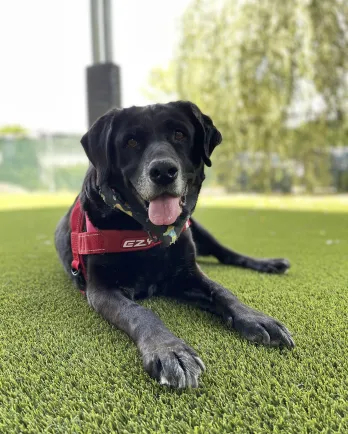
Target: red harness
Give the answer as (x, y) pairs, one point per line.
(93, 241)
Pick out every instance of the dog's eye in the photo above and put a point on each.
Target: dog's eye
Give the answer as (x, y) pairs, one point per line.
(179, 135)
(132, 143)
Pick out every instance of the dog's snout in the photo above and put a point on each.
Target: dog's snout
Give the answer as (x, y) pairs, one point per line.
(163, 172)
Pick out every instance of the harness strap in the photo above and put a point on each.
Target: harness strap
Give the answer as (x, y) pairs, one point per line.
(77, 222)
(96, 241)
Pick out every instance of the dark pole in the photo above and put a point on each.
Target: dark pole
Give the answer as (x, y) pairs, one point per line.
(103, 76)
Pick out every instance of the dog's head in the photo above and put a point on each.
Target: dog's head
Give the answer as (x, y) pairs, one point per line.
(155, 153)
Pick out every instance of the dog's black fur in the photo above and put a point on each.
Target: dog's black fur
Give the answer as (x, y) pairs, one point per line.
(121, 146)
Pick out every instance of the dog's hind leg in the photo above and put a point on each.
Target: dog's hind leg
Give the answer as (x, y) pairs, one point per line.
(207, 245)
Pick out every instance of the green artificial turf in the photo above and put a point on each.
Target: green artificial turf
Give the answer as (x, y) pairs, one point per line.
(63, 369)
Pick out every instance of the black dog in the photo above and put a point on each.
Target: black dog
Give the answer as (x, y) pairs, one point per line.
(154, 157)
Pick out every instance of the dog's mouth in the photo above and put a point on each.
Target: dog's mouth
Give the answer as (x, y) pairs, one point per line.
(165, 209)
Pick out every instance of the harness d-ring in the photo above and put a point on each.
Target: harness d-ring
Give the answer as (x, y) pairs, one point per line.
(75, 272)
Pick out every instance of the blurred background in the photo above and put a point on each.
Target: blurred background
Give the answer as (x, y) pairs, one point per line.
(273, 76)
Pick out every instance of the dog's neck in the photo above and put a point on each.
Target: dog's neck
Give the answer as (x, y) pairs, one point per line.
(100, 214)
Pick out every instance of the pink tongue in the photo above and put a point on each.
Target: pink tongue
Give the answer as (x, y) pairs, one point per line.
(164, 210)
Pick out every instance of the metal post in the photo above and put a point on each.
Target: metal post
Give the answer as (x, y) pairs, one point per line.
(108, 46)
(95, 31)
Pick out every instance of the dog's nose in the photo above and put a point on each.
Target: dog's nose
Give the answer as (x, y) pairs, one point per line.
(163, 172)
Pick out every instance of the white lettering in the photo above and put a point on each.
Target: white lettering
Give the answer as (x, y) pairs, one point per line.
(136, 243)
(140, 243)
(128, 243)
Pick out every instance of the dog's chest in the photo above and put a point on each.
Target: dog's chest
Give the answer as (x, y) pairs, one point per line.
(139, 274)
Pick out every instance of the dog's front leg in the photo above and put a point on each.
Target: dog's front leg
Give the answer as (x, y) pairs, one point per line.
(250, 323)
(165, 357)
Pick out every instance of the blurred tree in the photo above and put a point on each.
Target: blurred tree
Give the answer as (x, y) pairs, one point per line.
(13, 130)
(273, 76)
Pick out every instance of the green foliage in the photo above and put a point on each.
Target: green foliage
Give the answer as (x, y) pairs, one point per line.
(257, 68)
(14, 130)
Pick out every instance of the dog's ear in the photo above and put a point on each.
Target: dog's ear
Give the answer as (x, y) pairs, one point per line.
(97, 142)
(209, 136)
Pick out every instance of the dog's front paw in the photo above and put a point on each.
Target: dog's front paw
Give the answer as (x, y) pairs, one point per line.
(260, 328)
(174, 365)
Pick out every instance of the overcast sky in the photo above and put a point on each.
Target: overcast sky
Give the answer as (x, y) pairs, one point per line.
(45, 46)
